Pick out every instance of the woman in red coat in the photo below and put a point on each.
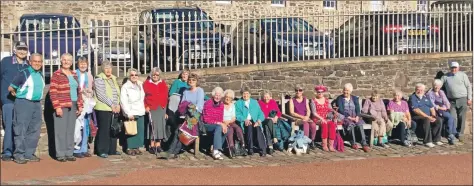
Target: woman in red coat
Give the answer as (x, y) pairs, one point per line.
(156, 99)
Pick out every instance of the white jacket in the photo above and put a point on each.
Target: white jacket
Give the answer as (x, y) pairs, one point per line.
(132, 99)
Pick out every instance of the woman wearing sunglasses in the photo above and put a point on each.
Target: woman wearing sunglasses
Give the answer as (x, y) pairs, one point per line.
(299, 109)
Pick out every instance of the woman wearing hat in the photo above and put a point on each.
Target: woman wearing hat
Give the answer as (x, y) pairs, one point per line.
(320, 109)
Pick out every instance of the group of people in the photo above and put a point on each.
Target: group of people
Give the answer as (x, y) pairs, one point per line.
(83, 105)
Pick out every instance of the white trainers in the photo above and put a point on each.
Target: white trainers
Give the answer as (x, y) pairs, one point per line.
(439, 143)
(430, 145)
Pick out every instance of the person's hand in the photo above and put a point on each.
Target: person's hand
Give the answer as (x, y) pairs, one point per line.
(224, 128)
(256, 124)
(166, 116)
(432, 119)
(275, 119)
(306, 118)
(247, 122)
(79, 111)
(323, 120)
(147, 109)
(12, 91)
(131, 117)
(356, 119)
(59, 112)
(118, 109)
(469, 102)
(442, 108)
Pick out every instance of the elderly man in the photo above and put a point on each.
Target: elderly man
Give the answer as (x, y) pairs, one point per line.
(28, 87)
(459, 93)
(9, 68)
(423, 112)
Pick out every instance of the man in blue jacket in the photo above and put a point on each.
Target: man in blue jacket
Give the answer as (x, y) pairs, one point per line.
(9, 68)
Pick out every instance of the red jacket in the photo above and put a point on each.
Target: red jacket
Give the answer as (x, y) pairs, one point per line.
(60, 91)
(156, 95)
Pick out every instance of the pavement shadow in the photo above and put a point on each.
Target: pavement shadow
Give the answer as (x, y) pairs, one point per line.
(49, 121)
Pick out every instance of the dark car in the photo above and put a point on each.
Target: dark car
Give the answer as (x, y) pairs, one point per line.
(280, 39)
(173, 38)
(455, 22)
(52, 35)
(386, 33)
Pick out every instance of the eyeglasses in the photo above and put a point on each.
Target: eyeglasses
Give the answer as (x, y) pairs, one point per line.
(133, 75)
(228, 98)
(192, 79)
(298, 90)
(319, 92)
(156, 74)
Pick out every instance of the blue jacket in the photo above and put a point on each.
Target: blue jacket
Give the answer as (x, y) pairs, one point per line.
(241, 112)
(339, 102)
(9, 68)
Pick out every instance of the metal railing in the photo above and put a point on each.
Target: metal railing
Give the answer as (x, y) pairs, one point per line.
(190, 39)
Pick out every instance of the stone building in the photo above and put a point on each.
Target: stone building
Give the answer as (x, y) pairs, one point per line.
(127, 12)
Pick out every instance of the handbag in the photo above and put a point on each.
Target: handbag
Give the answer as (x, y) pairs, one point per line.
(115, 127)
(130, 127)
(338, 143)
(184, 136)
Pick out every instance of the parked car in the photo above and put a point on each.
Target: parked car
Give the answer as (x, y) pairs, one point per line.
(280, 39)
(176, 37)
(455, 24)
(51, 34)
(386, 33)
(117, 52)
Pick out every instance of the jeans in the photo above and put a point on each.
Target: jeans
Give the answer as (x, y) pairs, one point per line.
(401, 131)
(84, 145)
(7, 117)
(451, 128)
(218, 135)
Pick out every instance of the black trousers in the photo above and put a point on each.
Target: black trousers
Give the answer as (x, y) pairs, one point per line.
(269, 131)
(105, 142)
(431, 131)
(255, 132)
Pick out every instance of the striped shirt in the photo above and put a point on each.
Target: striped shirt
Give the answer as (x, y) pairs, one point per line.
(29, 84)
(99, 85)
(60, 90)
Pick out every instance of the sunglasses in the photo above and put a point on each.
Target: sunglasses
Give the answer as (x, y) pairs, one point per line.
(298, 90)
(156, 74)
(320, 92)
(192, 80)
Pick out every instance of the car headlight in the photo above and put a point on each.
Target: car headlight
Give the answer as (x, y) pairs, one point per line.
(168, 41)
(282, 42)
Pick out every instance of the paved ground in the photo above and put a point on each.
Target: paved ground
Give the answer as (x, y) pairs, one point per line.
(317, 167)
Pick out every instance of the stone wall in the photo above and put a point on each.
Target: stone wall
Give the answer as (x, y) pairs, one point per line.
(384, 73)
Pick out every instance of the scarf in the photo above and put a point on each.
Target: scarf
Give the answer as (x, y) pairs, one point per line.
(86, 78)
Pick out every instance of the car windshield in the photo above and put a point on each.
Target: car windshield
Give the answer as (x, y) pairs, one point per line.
(287, 25)
(187, 20)
(51, 26)
(406, 19)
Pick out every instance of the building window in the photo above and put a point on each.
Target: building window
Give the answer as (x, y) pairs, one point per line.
(378, 5)
(280, 3)
(422, 5)
(223, 2)
(329, 4)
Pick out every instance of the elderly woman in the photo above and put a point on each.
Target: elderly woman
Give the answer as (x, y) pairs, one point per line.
(156, 98)
(229, 120)
(194, 95)
(320, 109)
(401, 118)
(176, 90)
(86, 82)
(250, 117)
(380, 124)
(132, 98)
(213, 117)
(299, 109)
(107, 108)
(424, 113)
(66, 97)
(440, 101)
(267, 104)
(348, 105)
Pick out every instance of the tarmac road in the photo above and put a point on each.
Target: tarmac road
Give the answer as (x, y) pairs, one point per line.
(428, 169)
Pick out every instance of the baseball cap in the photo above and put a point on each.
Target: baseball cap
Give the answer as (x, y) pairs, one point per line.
(453, 64)
(21, 44)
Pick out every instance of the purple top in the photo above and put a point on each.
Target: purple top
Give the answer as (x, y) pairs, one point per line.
(403, 107)
(300, 107)
(438, 100)
(376, 109)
